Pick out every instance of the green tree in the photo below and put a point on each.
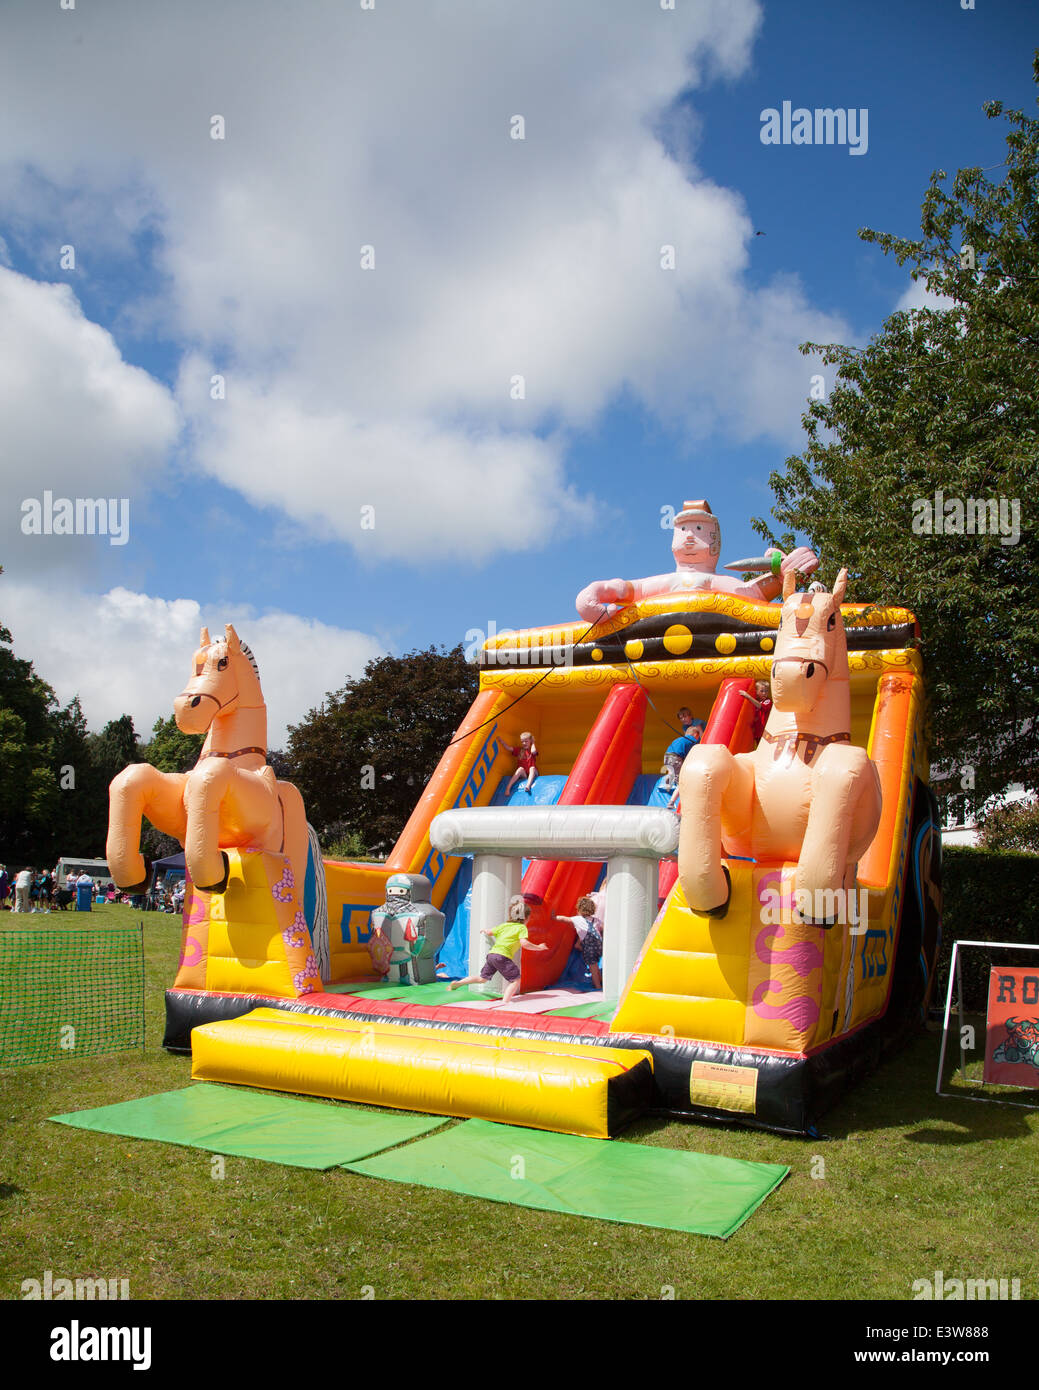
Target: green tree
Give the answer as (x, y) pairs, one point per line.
(362, 759)
(169, 749)
(107, 754)
(28, 792)
(54, 776)
(1013, 827)
(73, 829)
(943, 401)
(41, 746)
(24, 693)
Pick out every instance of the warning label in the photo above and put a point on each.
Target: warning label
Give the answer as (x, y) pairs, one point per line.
(724, 1087)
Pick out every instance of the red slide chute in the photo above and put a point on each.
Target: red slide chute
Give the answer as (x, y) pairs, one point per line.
(603, 775)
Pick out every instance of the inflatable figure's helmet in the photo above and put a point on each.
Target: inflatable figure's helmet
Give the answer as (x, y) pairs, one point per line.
(399, 886)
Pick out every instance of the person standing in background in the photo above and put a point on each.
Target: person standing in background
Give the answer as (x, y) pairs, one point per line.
(22, 886)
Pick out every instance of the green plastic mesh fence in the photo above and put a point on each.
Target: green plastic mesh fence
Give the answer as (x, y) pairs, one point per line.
(70, 993)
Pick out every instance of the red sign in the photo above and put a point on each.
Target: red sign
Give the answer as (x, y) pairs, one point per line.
(1012, 1036)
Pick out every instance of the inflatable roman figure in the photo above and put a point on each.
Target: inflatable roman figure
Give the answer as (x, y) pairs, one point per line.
(696, 545)
(407, 931)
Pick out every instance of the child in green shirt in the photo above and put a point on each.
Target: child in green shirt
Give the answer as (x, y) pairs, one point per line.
(507, 940)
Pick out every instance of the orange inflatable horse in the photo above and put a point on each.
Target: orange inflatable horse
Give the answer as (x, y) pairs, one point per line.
(806, 793)
(230, 799)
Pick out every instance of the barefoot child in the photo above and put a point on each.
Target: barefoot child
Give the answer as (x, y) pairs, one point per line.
(506, 943)
(528, 762)
(589, 936)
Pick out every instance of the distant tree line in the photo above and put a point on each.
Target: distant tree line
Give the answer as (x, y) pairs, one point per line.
(54, 774)
(363, 757)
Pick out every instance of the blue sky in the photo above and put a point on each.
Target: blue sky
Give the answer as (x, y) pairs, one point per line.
(493, 257)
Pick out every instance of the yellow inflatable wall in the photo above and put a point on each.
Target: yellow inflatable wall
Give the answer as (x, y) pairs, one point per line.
(251, 938)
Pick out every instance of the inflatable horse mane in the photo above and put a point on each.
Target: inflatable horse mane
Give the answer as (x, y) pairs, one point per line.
(231, 799)
(806, 794)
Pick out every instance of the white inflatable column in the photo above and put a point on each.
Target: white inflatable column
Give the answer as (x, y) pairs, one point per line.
(632, 838)
(628, 911)
(496, 881)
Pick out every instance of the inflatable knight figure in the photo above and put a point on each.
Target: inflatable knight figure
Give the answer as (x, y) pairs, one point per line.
(407, 931)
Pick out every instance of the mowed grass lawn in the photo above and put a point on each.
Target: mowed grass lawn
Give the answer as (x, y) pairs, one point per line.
(906, 1183)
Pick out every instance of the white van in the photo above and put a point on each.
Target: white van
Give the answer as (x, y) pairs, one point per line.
(72, 868)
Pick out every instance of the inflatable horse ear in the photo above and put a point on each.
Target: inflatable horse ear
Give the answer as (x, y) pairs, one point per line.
(839, 589)
(203, 638)
(233, 643)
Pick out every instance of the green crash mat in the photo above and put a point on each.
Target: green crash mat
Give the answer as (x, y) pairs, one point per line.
(255, 1124)
(602, 1009)
(611, 1180)
(431, 995)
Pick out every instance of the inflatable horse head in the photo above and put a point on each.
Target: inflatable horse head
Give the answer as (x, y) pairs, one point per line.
(806, 793)
(811, 654)
(226, 678)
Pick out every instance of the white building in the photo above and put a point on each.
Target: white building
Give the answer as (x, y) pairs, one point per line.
(960, 826)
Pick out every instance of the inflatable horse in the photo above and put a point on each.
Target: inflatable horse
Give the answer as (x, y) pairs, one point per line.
(231, 799)
(806, 794)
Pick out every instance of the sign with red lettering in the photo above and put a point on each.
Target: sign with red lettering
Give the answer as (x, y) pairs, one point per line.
(1012, 1034)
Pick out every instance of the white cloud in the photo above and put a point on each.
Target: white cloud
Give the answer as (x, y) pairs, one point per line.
(75, 418)
(433, 491)
(493, 257)
(130, 653)
(918, 296)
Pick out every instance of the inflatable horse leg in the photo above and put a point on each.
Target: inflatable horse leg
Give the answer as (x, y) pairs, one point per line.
(217, 792)
(140, 790)
(842, 820)
(712, 780)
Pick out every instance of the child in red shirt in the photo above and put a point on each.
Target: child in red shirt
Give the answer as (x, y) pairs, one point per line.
(528, 764)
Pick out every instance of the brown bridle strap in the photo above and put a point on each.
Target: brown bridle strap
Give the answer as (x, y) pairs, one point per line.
(812, 742)
(201, 695)
(236, 754)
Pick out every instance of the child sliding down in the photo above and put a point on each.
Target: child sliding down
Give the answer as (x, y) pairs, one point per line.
(527, 754)
(507, 941)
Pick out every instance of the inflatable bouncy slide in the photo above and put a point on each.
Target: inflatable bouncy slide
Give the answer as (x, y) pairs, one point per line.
(761, 950)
